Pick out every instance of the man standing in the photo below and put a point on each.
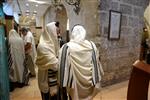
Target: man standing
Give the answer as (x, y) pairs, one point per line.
(18, 56)
(47, 52)
(29, 50)
(79, 67)
(34, 54)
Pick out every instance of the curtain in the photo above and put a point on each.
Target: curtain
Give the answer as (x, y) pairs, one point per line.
(4, 80)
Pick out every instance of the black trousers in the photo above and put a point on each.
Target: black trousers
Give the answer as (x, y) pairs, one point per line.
(47, 96)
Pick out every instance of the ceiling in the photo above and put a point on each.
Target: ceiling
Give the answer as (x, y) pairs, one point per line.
(30, 10)
(33, 7)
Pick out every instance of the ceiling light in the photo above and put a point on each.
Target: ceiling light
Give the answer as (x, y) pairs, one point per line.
(27, 4)
(36, 5)
(34, 15)
(34, 12)
(27, 11)
(27, 14)
(39, 2)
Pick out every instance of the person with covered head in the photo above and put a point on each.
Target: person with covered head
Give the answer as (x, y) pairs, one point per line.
(79, 67)
(47, 61)
(17, 70)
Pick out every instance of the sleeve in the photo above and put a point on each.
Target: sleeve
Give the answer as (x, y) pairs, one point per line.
(28, 39)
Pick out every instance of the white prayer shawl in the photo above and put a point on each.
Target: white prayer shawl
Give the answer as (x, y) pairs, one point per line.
(47, 50)
(18, 55)
(76, 68)
(147, 18)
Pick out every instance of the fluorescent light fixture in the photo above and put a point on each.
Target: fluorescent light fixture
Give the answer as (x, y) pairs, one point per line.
(34, 14)
(39, 2)
(27, 11)
(27, 14)
(27, 4)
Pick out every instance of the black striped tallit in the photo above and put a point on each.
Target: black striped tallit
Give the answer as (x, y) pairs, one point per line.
(62, 64)
(52, 77)
(95, 64)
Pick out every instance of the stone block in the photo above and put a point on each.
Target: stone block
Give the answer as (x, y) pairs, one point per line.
(134, 22)
(125, 30)
(124, 20)
(137, 2)
(119, 75)
(114, 6)
(122, 42)
(115, 0)
(104, 4)
(105, 32)
(138, 31)
(126, 9)
(138, 11)
(104, 18)
(141, 22)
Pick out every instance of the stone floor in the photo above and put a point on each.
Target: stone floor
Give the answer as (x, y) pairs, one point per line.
(31, 92)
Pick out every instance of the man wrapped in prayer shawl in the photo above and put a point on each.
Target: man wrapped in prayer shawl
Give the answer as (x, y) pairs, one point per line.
(79, 67)
(47, 52)
(18, 73)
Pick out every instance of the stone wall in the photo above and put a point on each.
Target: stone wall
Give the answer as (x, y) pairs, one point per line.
(49, 15)
(57, 14)
(61, 16)
(88, 16)
(118, 56)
